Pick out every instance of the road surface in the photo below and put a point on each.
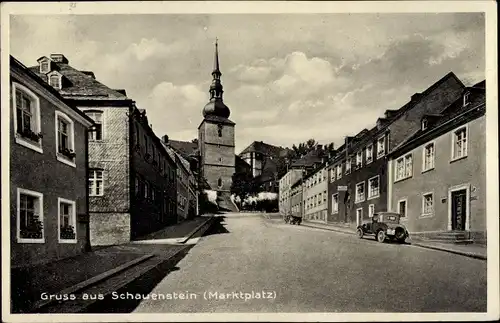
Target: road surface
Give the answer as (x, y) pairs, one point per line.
(304, 269)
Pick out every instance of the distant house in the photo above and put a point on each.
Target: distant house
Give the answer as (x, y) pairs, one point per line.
(358, 174)
(48, 172)
(130, 177)
(437, 176)
(296, 171)
(315, 187)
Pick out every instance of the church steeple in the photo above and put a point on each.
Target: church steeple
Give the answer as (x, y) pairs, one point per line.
(216, 86)
(216, 107)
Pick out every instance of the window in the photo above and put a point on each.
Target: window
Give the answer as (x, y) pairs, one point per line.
(97, 133)
(427, 204)
(153, 193)
(219, 182)
(428, 154)
(324, 196)
(96, 182)
(459, 145)
(332, 175)
(319, 198)
(404, 167)
(65, 139)
(146, 143)
(466, 99)
(359, 159)
(335, 203)
(373, 187)
(27, 125)
(369, 154)
(146, 190)
(137, 185)
(424, 124)
(29, 216)
(348, 166)
(44, 66)
(360, 192)
(339, 171)
(55, 81)
(380, 147)
(402, 208)
(67, 221)
(371, 210)
(219, 130)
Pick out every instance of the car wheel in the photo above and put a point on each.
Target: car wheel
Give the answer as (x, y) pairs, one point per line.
(360, 233)
(381, 236)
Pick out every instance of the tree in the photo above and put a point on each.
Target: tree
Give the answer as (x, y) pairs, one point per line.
(243, 185)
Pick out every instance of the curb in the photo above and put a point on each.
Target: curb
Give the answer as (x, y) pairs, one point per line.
(92, 281)
(457, 252)
(327, 229)
(192, 233)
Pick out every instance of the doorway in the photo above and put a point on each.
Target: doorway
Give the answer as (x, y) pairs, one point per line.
(459, 210)
(359, 216)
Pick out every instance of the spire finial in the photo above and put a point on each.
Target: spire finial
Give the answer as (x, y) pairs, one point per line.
(216, 56)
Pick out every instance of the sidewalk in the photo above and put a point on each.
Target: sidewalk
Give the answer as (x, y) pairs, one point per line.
(68, 275)
(477, 251)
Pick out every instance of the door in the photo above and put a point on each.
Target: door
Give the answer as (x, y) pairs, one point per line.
(458, 209)
(359, 216)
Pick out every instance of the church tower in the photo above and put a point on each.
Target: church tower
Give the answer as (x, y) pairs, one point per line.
(216, 137)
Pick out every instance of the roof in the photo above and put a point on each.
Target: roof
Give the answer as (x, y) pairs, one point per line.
(184, 148)
(266, 149)
(218, 119)
(449, 113)
(80, 84)
(390, 116)
(184, 163)
(47, 87)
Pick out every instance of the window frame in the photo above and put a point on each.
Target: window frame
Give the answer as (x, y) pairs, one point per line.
(424, 155)
(71, 140)
(404, 167)
(45, 60)
(422, 213)
(339, 171)
(379, 155)
(466, 100)
(356, 200)
(370, 197)
(371, 207)
(369, 158)
(94, 179)
(59, 79)
(453, 141)
(36, 124)
(406, 207)
(73, 216)
(359, 159)
(39, 196)
(348, 169)
(88, 113)
(335, 202)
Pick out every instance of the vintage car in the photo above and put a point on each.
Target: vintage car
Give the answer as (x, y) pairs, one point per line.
(384, 225)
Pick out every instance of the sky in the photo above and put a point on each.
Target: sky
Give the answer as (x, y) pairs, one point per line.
(286, 77)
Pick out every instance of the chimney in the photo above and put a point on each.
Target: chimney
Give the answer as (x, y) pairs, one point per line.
(416, 96)
(89, 73)
(122, 91)
(165, 139)
(59, 58)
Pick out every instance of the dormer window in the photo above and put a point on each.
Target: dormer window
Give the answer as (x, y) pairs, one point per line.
(466, 98)
(55, 80)
(424, 124)
(45, 66)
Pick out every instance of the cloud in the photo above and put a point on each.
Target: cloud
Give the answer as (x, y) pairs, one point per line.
(287, 78)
